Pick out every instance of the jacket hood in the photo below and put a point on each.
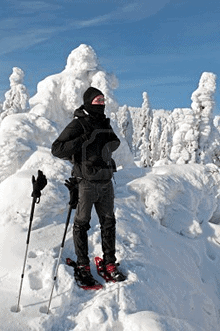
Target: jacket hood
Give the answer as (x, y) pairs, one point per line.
(79, 112)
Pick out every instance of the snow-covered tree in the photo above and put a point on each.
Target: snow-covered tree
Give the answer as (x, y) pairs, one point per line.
(216, 122)
(125, 124)
(185, 137)
(135, 116)
(141, 120)
(16, 99)
(216, 143)
(166, 139)
(106, 83)
(60, 94)
(159, 122)
(203, 106)
(146, 118)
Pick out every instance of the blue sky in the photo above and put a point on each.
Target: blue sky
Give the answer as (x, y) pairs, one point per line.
(161, 46)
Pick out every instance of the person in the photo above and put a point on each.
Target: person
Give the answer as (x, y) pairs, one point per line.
(88, 142)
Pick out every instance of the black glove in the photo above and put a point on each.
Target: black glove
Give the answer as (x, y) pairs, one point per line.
(38, 184)
(72, 186)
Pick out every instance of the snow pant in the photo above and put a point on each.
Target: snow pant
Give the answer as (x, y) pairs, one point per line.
(101, 195)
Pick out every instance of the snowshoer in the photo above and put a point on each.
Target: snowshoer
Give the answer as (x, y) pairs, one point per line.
(88, 142)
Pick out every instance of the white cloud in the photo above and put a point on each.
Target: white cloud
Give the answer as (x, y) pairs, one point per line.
(130, 12)
(35, 6)
(12, 43)
(92, 22)
(25, 31)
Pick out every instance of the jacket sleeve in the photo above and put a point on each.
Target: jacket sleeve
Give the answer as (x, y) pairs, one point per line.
(69, 141)
(113, 142)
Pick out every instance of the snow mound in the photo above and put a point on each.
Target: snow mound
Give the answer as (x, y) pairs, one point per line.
(20, 135)
(16, 207)
(148, 321)
(182, 198)
(172, 281)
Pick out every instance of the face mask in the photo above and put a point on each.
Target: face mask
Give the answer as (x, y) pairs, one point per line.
(95, 110)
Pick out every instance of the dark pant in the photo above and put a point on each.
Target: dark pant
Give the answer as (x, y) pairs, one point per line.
(101, 195)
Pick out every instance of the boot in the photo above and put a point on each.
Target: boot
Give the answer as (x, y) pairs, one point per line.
(112, 271)
(83, 275)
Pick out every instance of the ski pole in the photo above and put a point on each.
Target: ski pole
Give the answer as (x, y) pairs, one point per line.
(59, 257)
(38, 185)
(27, 244)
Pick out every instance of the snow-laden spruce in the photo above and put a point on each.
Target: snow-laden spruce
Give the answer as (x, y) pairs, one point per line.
(16, 99)
(146, 119)
(181, 136)
(58, 95)
(168, 229)
(194, 138)
(124, 122)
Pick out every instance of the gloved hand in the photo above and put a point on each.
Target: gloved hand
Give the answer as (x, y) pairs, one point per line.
(72, 186)
(38, 184)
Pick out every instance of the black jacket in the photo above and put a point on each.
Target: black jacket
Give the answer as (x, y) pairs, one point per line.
(88, 143)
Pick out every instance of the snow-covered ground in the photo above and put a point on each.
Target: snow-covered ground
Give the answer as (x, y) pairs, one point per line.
(173, 271)
(168, 232)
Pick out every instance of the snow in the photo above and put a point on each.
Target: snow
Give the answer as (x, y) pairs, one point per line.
(168, 232)
(16, 99)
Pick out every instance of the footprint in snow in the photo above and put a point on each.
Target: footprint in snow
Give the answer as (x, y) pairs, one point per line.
(32, 255)
(35, 281)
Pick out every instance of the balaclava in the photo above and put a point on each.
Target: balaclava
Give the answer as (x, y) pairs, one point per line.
(96, 111)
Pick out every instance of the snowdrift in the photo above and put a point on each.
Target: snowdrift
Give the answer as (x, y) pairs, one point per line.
(183, 198)
(172, 279)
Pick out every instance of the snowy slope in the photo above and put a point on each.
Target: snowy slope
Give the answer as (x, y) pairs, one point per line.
(172, 279)
(168, 232)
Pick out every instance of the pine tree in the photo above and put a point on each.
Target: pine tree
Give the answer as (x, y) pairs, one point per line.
(56, 98)
(185, 136)
(158, 137)
(166, 140)
(145, 129)
(125, 124)
(135, 117)
(203, 106)
(16, 99)
(106, 83)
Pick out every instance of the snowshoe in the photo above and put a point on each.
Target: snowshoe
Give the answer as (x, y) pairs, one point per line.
(109, 272)
(83, 276)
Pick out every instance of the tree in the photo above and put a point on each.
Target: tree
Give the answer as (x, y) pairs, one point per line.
(184, 144)
(125, 124)
(135, 117)
(146, 118)
(203, 106)
(157, 138)
(16, 99)
(166, 139)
